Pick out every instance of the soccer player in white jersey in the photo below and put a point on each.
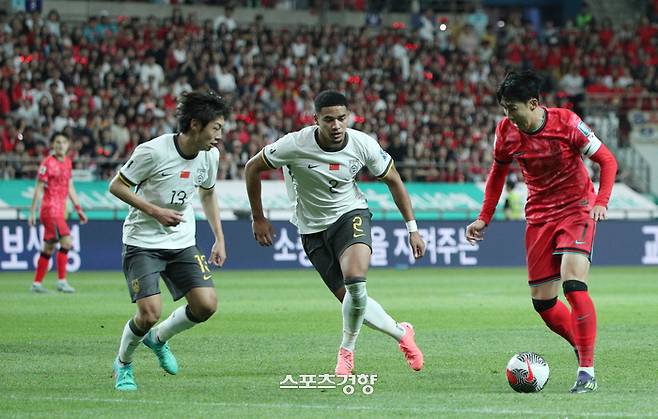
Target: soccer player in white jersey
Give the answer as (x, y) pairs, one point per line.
(332, 216)
(159, 182)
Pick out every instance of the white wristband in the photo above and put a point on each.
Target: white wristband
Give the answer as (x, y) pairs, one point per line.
(412, 227)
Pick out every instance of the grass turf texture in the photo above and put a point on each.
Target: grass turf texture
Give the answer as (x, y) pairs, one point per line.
(57, 350)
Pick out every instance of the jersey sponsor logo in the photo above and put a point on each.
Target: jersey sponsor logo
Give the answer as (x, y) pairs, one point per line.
(185, 174)
(312, 166)
(582, 127)
(334, 166)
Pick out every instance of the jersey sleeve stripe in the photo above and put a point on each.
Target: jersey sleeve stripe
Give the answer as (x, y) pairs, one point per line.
(267, 162)
(388, 169)
(203, 187)
(126, 181)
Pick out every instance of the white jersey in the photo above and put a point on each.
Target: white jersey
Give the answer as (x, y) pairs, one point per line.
(166, 178)
(324, 182)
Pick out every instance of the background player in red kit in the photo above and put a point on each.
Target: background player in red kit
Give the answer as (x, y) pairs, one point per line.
(54, 180)
(561, 211)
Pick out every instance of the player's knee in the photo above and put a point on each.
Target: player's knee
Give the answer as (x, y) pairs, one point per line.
(147, 321)
(148, 317)
(573, 285)
(543, 305)
(201, 312)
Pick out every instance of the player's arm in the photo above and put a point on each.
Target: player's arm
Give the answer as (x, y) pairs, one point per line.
(608, 163)
(38, 191)
(492, 191)
(402, 201)
(122, 189)
(262, 228)
(76, 203)
(211, 210)
(584, 139)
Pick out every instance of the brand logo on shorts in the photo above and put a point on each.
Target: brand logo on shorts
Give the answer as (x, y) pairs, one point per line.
(207, 277)
(134, 284)
(580, 242)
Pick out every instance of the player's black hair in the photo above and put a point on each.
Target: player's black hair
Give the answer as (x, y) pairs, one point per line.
(520, 86)
(57, 134)
(202, 106)
(329, 98)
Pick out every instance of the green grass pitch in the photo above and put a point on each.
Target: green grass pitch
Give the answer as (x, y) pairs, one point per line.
(57, 350)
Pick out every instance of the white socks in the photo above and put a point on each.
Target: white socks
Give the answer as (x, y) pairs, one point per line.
(354, 310)
(129, 342)
(589, 370)
(378, 319)
(172, 325)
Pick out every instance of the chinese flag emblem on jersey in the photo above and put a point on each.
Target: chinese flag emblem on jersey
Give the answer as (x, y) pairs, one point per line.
(184, 174)
(334, 166)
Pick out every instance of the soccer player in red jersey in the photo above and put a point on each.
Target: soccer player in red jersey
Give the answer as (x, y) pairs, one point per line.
(54, 180)
(561, 211)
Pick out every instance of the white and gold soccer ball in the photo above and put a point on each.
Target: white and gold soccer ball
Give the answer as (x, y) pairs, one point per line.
(527, 372)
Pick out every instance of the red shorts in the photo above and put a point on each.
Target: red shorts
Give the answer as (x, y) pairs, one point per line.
(54, 228)
(545, 243)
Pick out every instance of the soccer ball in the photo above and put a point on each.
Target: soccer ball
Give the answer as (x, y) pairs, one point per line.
(527, 372)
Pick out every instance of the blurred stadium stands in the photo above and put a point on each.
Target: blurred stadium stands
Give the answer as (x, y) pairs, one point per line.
(420, 76)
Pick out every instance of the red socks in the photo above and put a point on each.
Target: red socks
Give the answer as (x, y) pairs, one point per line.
(556, 316)
(583, 320)
(42, 267)
(62, 258)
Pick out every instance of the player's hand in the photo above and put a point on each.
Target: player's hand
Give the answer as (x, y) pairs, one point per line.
(475, 231)
(168, 217)
(263, 231)
(32, 219)
(218, 253)
(83, 217)
(598, 213)
(417, 244)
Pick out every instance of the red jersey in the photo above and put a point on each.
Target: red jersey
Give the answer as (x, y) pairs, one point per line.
(57, 176)
(552, 164)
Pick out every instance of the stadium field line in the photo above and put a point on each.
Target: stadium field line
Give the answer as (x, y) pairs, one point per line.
(423, 410)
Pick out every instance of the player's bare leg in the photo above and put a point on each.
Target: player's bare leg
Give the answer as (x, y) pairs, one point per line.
(574, 271)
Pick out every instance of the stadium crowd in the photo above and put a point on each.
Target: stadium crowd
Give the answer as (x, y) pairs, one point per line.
(427, 91)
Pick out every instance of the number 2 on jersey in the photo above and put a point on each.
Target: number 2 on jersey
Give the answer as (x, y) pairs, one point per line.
(333, 185)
